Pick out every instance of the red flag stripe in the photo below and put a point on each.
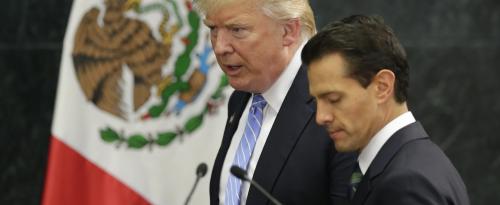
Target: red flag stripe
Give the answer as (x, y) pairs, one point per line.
(71, 179)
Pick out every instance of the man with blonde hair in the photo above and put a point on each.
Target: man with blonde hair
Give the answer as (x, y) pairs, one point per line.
(270, 131)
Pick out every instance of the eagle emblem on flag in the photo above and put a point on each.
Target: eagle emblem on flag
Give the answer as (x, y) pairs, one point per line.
(126, 66)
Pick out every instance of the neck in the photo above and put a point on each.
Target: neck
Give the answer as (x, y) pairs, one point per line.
(390, 113)
(396, 110)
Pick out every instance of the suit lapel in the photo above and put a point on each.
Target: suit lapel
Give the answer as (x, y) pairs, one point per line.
(387, 152)
(293, 116)
(236, 106)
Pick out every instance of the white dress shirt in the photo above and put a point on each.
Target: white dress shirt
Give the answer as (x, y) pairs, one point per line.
(370, 151)
(274, 97)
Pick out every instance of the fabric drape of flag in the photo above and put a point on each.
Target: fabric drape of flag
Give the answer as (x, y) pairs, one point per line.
(140, 103)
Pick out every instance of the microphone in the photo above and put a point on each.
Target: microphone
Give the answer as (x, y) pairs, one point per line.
(201, 170)
(242, 174)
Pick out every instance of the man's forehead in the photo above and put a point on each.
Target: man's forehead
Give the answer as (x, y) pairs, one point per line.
(229, 18)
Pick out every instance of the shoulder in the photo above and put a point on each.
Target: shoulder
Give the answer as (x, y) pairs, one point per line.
(421, 155)
(406, 186)
(419, 173)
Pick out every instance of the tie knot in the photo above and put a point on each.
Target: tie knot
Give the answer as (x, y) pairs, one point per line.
(258, 101)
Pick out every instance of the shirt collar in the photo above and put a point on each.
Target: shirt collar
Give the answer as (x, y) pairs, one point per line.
(276, 94)
(370, 151)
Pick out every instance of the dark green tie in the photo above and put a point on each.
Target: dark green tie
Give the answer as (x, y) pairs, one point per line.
(355, 179)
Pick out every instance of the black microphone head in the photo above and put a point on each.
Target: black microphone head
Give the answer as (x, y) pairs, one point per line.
(239, 172)
(201, 170)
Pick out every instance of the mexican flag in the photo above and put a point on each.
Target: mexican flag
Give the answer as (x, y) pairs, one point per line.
(140, 104)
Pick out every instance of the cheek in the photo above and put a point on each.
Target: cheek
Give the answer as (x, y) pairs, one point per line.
(354, 116)
(249, 53)
(364, 124)
(260, 63)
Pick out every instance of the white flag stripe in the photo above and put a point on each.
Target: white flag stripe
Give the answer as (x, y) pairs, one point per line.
(157, 173)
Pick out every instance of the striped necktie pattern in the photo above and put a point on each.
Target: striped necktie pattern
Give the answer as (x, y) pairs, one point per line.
(245, 148)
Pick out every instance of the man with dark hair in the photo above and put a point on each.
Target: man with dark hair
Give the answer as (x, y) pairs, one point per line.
(358, 74)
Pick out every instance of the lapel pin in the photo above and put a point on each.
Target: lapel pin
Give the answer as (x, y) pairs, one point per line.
(231, 119)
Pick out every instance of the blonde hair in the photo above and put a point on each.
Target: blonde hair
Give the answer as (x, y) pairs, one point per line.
(280, 10)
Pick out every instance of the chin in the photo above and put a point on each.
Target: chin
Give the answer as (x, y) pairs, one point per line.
(343, 148)
(237, 85)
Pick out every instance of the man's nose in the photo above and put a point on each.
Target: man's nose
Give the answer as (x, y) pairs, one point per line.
(323, 117)
(222, 43)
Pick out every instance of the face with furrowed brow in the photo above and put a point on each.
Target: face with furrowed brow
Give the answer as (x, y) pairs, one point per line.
(251, 48)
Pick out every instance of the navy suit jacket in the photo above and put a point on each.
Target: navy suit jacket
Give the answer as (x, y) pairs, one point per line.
(411, 169)
(298, 164)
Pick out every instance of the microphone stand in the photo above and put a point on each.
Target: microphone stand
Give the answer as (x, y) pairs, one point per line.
(192, 190)
(242, 174)
(201, 170)
(263, 191)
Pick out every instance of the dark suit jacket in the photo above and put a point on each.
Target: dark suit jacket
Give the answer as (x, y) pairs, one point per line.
(298, 164)
(411, 169)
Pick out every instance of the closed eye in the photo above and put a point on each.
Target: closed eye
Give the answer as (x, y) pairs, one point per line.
(332, 98)
(333, 101)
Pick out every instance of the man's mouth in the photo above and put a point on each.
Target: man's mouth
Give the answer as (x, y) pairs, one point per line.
(335, 134)
(232, 69)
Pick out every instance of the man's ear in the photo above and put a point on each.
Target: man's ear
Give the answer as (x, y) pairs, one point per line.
(291, 32)
(384, 84)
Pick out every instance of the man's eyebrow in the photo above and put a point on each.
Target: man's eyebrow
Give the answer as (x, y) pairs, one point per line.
(323, 94)
(326, 93)
(232, 24)
(319, 94)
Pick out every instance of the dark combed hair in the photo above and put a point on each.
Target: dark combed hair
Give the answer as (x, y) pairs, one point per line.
(368, 45)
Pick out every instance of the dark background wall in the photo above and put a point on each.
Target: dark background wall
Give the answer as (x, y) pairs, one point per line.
(453, 48)
(31, 37)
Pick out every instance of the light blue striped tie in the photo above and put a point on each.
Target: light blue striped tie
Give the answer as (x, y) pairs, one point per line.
(245, 149)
